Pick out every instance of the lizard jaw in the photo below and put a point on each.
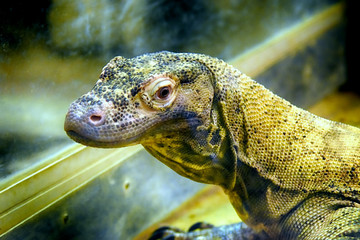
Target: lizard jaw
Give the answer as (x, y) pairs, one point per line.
(78, 137)
(99, 144)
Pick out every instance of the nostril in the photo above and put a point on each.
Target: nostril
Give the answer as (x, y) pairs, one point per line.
(97, 119)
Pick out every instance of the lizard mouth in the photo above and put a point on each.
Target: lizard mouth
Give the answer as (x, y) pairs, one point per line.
(77, 137)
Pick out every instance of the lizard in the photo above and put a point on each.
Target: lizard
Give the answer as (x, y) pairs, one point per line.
(288, 173)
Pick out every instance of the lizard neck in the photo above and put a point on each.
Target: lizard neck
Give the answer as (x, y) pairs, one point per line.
(290, 147)
(247, 104)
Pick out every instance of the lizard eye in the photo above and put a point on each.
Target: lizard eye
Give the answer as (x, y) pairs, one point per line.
(162, 92)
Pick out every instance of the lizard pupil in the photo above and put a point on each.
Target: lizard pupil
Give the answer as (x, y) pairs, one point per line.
(163, 92)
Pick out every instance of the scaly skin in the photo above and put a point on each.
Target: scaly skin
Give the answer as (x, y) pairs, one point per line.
(288, 173)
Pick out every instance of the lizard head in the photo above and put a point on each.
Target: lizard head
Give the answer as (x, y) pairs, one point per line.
(141, 99)
(160, 100)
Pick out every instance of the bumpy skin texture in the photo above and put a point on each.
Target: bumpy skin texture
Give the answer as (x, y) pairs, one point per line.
(288, 173)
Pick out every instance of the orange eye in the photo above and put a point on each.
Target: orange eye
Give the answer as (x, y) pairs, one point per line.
(163, 92)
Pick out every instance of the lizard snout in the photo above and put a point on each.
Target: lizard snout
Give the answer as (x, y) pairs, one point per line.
(83, 124)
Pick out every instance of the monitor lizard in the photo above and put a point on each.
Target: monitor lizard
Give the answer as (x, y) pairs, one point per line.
(288, 173)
